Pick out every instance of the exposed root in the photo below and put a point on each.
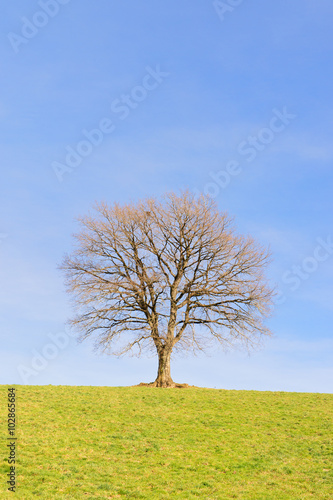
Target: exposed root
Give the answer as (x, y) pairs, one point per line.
(170, 386)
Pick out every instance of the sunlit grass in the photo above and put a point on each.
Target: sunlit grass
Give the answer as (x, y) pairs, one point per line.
(140, 442)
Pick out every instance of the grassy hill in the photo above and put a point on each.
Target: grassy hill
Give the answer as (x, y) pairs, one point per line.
(140, 442)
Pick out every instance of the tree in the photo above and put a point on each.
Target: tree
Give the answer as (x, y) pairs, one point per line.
(166, 275)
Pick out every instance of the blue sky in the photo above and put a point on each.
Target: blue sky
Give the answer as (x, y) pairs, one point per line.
(234, 101)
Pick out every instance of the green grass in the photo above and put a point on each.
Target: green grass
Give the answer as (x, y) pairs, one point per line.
(140, 442)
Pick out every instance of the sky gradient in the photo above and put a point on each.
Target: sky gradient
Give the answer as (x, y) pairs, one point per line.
(117, 101)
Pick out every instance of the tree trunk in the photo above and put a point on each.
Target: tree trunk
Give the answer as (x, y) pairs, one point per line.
(163, 378)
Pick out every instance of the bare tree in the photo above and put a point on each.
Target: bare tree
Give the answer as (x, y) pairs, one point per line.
(166, 275)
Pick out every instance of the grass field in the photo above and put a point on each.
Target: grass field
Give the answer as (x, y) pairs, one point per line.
(140, 442)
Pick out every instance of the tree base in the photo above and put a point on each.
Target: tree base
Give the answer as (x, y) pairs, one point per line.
(172, 385)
